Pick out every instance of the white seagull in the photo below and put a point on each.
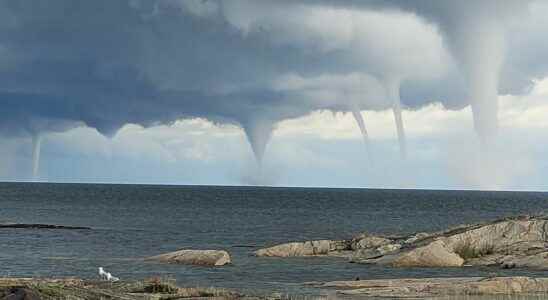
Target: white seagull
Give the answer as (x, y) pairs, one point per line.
(107, 276)
(112, 278)
(102, 273)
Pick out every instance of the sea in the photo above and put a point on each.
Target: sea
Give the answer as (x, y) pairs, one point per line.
(131, 222)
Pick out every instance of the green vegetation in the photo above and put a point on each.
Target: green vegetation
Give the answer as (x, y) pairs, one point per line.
(467, 251)
(76, 289)
(48, 291)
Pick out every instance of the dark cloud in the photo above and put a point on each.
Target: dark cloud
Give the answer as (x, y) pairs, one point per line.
(107, 63)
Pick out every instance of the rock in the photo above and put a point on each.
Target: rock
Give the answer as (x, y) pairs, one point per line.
(537, 261)
(309, 248)
(435, 254)
(195, 257)
(439, 287)
(365, 254)
(521, 242)
(488, 260)
(39, 226)
(20, 293)
(389, 248)
(501, 236)
(371, 253)
(508, 243)
(370, 247)
(417, 237)
(368, 242)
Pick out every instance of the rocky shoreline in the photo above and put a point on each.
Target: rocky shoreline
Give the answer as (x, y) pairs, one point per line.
(164, 289)
(440, 287)
(517, 242)
(78, 289)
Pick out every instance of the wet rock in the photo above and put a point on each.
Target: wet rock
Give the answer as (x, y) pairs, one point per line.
(195, 257)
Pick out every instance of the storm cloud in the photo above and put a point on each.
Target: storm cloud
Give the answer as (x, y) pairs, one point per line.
(104, 64)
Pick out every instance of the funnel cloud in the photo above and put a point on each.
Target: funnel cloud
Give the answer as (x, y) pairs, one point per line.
(255, 64)
(36, 144)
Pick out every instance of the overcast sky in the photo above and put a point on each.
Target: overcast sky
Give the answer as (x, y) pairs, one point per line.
(272, 92)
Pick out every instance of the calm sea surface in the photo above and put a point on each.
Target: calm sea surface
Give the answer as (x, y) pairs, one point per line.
(135, 221)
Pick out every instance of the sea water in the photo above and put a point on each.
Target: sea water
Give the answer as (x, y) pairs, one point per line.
(130, 222)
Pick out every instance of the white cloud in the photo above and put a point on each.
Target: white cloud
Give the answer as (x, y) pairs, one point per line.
(444, 150)
(527, 112)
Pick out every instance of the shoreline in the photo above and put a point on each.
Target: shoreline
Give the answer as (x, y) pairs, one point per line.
(513, 242)
(163, 289)
(80, 289)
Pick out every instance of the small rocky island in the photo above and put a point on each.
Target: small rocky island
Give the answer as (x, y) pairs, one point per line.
(212, 258)
(517, 242)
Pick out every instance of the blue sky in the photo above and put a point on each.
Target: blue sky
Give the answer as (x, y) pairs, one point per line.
(270, 92)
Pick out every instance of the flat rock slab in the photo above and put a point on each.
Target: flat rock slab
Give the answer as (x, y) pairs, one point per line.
(39, 226)
(301, 249)
(440, 287)
(195, 257)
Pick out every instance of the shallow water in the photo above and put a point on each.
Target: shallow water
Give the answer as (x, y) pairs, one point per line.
(135, 221)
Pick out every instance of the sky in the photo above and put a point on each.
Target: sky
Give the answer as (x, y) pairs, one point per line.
(380, 94)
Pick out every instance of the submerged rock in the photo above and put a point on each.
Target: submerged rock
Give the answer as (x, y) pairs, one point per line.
(439, 287)
(39, 226)
(195, 257)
